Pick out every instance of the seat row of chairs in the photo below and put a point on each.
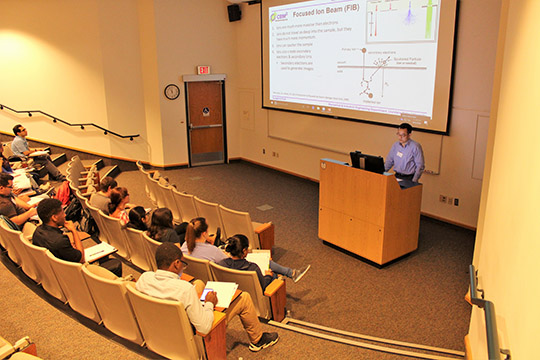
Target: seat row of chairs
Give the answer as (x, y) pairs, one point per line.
(185, 207)
(99, 295)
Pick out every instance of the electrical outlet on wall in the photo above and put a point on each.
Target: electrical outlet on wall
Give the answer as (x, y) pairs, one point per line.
(450, 201)
(442, 198)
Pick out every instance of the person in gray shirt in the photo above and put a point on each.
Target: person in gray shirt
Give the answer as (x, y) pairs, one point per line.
(102, 198)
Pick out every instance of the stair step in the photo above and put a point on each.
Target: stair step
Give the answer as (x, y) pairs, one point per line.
(99, 163)
(58, 159)
(109, 170)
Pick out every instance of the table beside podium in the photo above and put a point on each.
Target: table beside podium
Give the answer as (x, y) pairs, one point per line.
(366, 213)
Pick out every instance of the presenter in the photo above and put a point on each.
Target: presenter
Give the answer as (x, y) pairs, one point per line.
(405, 156)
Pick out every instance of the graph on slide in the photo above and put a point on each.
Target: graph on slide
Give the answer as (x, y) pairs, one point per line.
(402, 21)
(372, 70)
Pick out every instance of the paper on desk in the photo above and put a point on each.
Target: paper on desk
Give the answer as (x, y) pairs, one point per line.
(225, 291)
(262, 259)
(38, 153)
(98, 251)
(36, 199)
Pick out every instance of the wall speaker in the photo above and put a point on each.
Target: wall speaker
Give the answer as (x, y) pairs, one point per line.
(235, 13)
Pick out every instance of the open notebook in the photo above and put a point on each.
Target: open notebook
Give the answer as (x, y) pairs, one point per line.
(262, 259)
(225, 292)
(98, 251)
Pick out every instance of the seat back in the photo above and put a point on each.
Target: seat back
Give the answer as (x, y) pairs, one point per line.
(165, 326)
(117, 236)
(210, 211)
(111, 299)
(185, 204)
(199, 268)
(6, 149)
(157, 195)
(7, 236)
(238, 222)
(151, 246)
(47, 277)
(139, 250)
(166, 193)
(247, 281)
(70, 277)
(28, 263)
(94, 212)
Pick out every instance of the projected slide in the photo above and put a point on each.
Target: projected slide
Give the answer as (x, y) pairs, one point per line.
(372, 56)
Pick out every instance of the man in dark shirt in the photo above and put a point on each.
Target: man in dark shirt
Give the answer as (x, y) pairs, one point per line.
(10, 206)
(50, 236)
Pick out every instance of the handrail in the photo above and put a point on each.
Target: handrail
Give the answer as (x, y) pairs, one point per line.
(81, 125)
(489, 315)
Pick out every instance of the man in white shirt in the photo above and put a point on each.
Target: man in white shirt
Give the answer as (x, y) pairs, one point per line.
(19, 146)
(166, 284)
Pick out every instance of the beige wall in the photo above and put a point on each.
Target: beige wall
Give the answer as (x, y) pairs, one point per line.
(108, 62)
(507, 242)
(300, 140)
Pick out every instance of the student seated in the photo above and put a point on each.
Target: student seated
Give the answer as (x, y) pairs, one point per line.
(137, 219)
(19, 146)
(50, 236)
(117, 206)
(11, 206)
(161, 227)
(199, 245)
(238, 247)
(102, 198)
(166, 284)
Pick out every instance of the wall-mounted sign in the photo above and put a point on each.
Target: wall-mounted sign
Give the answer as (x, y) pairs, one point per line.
(203, 70)
(206, 111)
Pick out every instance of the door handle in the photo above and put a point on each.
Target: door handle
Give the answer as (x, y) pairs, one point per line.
(191, 127)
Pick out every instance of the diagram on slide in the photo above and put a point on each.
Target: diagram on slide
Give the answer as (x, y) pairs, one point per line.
(401, 21)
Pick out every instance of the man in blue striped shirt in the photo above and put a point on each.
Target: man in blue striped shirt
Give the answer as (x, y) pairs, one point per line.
(406, 156)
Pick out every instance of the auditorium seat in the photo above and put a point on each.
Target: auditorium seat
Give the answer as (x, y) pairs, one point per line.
(111, 299)
(48, 278)
(152, 246)
(167, 330)
(139, 250)
(210, 211)
(199, 268)
(7, 238)
(261, 236)
(28, 265)
(157, 195)
(70, 277)
(185, 204)
(97, 218)
(166, 194)
(116, 235)
(270, 304)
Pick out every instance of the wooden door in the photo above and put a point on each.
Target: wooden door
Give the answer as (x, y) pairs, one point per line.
(206, 125)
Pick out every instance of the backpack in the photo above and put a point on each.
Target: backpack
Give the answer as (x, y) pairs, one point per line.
(87, 223)
(63, 193)
(74, 210)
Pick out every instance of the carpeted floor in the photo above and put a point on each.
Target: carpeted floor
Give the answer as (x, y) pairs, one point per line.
(418, 299)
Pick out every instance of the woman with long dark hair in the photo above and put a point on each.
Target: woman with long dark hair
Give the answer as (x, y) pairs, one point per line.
(161, 226)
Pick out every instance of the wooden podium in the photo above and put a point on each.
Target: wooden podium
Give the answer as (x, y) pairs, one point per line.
(367, 213)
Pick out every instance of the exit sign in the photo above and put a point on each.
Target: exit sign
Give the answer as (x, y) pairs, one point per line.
(202, 70)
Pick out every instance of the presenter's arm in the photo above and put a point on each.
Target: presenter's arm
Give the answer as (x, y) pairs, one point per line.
(419, 162)
(389, 159)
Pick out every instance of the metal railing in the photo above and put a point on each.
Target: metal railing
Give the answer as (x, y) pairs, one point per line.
(81, 125)
(492, 336)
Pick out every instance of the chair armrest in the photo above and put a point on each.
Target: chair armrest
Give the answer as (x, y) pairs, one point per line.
(278, 297)
(186, 277)
(265, 232)
(214, 341)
